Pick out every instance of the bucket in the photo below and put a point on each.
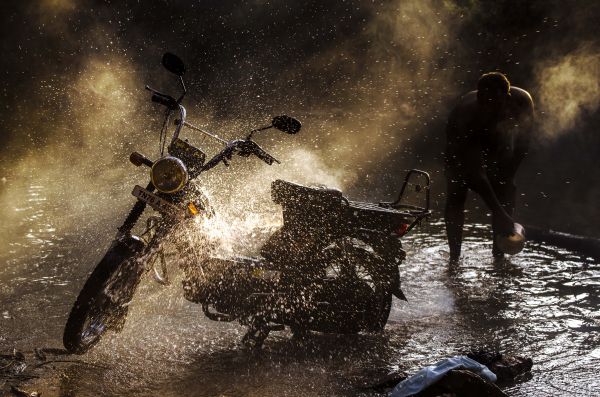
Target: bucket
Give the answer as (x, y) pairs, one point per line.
(514, 243)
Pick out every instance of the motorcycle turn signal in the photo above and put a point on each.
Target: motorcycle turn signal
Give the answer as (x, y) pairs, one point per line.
(139, 159)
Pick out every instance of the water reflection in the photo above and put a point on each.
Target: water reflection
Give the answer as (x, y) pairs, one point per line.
(542, 303)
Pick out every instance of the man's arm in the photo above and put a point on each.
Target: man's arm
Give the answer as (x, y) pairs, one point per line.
(526, 127)
(473, 168)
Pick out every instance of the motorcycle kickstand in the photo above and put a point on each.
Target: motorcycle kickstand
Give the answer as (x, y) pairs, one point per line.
(258, 331)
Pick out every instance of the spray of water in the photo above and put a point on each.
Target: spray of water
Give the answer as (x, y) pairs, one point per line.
(568, 89)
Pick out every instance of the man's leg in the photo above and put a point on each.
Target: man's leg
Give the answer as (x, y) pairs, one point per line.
(506, 193)
(455, 216)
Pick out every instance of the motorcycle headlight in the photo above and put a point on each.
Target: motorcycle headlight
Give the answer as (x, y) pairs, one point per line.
(169, 174)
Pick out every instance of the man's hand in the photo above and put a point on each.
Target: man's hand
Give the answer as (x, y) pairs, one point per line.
(503, 223)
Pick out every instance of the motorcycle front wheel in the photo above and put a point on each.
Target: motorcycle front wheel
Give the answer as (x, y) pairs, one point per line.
(102, 303)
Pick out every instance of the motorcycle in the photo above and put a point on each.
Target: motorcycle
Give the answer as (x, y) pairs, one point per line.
(331, 267)
(102, 304)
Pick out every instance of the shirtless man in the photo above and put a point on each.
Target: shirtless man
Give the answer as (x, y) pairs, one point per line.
(488, 135)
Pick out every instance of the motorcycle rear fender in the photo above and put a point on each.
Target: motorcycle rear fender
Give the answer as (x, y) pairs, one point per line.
(399, 294)
(390, 248)
(386, 245)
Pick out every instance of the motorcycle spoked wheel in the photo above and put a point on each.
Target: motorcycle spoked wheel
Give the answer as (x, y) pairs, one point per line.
(360, 271)
(102, 303)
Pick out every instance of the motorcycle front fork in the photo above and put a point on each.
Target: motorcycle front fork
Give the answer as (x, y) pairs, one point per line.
(159, 231)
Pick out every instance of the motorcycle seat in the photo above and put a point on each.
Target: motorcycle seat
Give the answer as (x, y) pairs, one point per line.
(292, 194)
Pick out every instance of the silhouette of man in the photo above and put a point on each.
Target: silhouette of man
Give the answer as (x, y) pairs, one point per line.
(488, 135)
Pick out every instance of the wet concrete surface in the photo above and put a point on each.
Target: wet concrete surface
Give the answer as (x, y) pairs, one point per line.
(543, 303)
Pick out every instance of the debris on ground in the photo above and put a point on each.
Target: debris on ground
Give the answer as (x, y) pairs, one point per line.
(18, 367)
(13, 363)
(22, 393)
(463, 383)
(437, 374)
(507, 368)
(448, 378)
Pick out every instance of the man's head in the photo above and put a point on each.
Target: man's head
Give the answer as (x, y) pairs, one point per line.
(493, 89)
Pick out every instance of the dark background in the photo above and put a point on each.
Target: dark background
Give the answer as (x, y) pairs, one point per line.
(372, 81)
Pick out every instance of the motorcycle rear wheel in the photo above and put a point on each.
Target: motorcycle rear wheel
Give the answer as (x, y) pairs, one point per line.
(102, 303)
(362, 269)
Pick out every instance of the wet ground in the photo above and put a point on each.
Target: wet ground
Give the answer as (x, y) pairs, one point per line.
(543, 303)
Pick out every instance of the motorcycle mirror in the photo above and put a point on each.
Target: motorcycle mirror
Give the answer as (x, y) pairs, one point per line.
(173, 64)
(286, 124)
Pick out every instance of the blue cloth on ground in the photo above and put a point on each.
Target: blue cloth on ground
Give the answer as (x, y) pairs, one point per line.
(430, 375)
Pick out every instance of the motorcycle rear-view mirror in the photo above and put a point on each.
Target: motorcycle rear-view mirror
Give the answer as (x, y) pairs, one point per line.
(173, 64)
(286, 124)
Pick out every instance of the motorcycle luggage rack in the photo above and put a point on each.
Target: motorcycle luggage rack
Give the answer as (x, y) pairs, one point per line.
(415, 211)
(398, 203)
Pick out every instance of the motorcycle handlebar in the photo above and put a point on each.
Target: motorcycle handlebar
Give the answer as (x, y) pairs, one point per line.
(263, 155)
(165, 100)
(243, 148)
(221, 156)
